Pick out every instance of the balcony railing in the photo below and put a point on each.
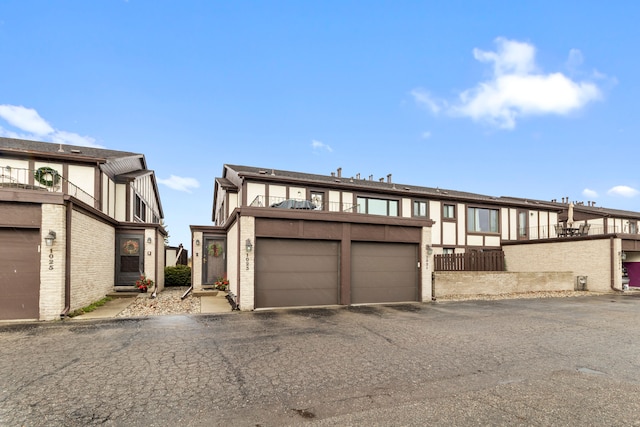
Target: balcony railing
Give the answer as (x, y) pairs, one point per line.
(553, 232)
(19, 178)
(262, 201)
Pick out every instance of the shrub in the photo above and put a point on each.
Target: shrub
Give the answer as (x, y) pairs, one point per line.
(180, 275)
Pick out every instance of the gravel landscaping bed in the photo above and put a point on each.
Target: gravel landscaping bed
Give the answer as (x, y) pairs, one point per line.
(540, 294)
(166, 302)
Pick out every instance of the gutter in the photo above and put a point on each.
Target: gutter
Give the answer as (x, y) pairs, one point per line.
(67, 262)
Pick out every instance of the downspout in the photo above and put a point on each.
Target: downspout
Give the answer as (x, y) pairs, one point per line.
(67, 262)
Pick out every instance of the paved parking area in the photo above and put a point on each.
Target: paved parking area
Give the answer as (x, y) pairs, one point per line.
(560, 361)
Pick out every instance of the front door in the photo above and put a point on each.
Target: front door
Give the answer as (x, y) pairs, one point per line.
(129, 259)
(214, 261)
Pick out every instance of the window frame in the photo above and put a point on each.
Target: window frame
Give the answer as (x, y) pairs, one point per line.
(491, 221)
(444, 211)
(364, 208)
(420, 202)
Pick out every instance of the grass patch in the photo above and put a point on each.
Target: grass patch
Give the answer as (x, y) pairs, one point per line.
(90, 307)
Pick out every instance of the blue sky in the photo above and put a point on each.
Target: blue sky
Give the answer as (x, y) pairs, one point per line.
(534, 99)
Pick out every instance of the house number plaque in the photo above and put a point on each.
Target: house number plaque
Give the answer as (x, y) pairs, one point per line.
(51, 259)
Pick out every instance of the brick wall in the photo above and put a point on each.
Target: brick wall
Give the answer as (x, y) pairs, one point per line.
(247, 264)
(449, 283)
(591, 258)
(52, 262)
(92, 259)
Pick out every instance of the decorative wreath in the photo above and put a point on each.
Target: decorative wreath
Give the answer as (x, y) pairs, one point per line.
(42, 174)
(131, 247)
(215, 249)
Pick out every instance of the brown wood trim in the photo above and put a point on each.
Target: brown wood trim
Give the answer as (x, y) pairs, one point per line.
(98, 189)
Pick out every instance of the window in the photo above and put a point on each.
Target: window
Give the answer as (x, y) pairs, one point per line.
(377, 206)
(141, 209)
(633, 227)
(449, 211)
(420, 209)
(482, 220)
(317, 198)
(448, 251)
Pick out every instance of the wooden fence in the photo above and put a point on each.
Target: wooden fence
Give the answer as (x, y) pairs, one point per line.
(470, 261)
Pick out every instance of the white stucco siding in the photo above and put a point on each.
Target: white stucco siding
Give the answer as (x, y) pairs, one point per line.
(83, 177)
(449, 236)
(277, 193)
(120, 202)
(407, 208)
(255, 190)
(15, 171)
(492, 241)
(334, 201)
(298, 193)
(435, 212)
(348, 202)
(461, 215)
(473, 240)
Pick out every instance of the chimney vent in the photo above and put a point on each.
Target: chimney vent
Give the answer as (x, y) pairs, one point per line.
(389, 178)
(339, 172)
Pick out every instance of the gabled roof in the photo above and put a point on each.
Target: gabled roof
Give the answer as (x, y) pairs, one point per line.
(382, 186)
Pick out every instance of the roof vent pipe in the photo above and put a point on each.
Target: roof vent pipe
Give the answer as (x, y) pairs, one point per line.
(339, 172)
(389, 178)
(370, 177)
(381, 179)
(333, 174)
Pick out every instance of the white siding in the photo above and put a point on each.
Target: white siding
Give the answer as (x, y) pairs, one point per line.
(277, 191)
(435, 212)
(407, 208)
(254, 190)
(83, 177)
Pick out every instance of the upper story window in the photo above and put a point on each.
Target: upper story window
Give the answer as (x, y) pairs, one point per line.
(633, 227)
(482, 220)
(317, 198)
(420, 208)
(448, 251)
(140, 209)
(449, 211)
(373, 206)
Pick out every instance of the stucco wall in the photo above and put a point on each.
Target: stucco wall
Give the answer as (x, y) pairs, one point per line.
(591, 258)
(449, 283)
(92, 259)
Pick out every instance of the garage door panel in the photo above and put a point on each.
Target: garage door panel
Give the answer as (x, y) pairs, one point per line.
(293, 272)
(384, 272)
(19, 274)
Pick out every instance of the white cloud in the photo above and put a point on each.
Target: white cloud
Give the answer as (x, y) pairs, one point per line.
(589, 193)
(35, 127)
(623, 190)
(179, 183)
(425, 99)
(516, 89)
(317, 145)
(426, 135)
(26, 119)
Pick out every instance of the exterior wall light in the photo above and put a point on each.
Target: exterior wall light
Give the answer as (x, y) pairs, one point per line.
(49, 238)
(429, 250)
(149, 240)
(249, 246)
(197, 242)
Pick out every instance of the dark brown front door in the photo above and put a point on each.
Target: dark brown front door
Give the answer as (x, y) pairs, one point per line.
(129, 259)
(296, 272)
(384, 272)
(19, 273)
(214, 259)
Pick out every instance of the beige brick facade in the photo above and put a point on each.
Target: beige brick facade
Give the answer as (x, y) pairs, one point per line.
(247, 264)
(93, 259)
(52, 262)
(591, 258)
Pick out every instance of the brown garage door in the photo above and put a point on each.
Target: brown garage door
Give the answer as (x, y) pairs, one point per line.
(296, 273)
(19, 273)
(384, 272)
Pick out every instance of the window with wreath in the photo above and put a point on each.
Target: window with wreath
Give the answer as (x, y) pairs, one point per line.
(482, 220)
(373, 206)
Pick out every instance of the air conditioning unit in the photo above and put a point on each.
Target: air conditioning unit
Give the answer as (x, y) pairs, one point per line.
(581, 283)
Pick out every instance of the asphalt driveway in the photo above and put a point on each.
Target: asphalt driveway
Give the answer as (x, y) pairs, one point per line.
(559, 361)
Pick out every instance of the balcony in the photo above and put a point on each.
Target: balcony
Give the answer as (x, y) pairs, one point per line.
(262, 201)
(17, 178)
(557, 232)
